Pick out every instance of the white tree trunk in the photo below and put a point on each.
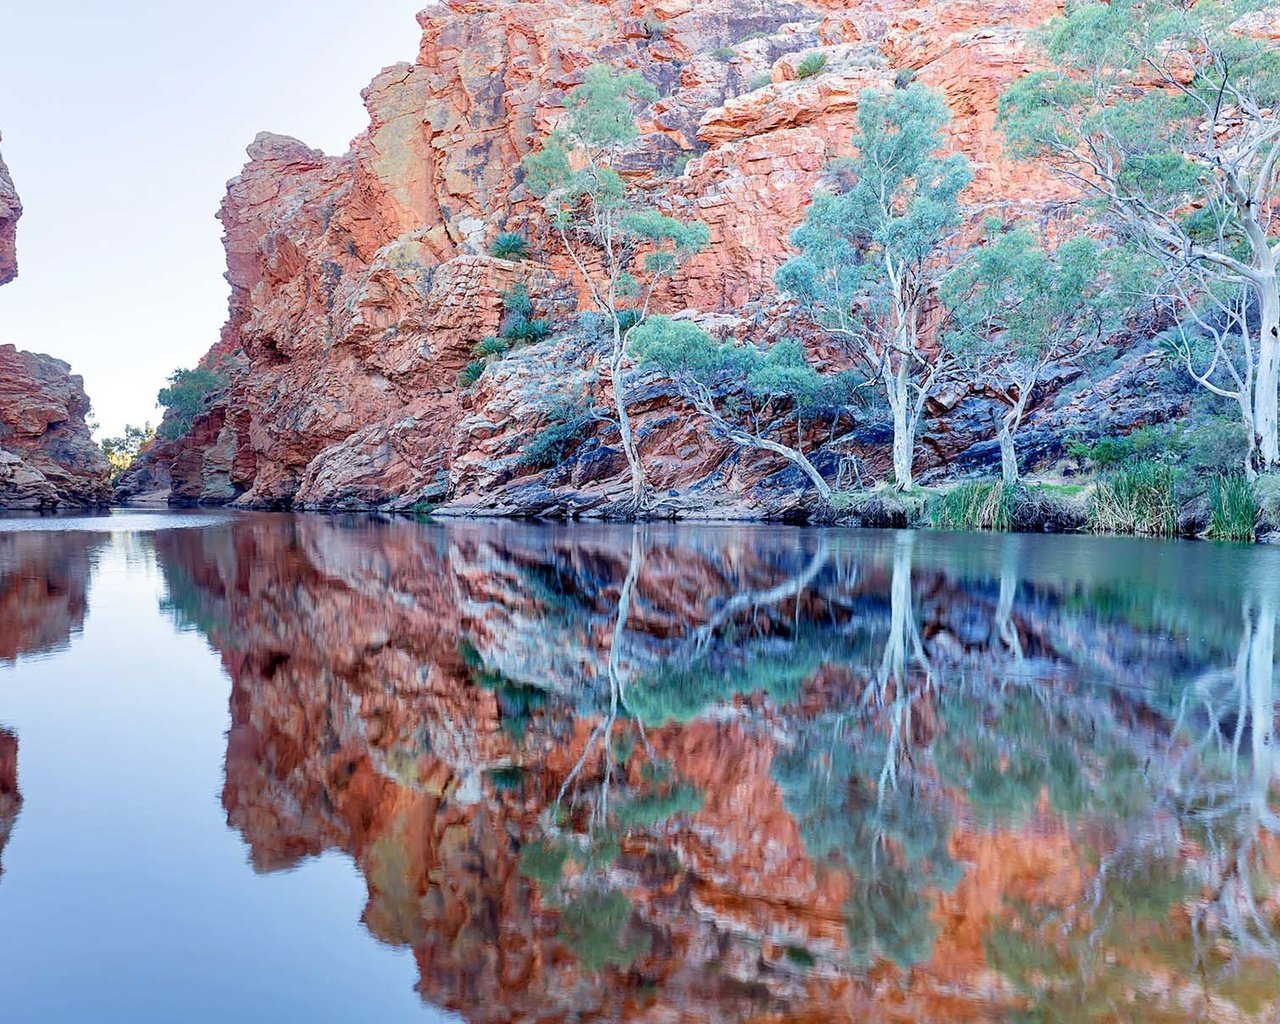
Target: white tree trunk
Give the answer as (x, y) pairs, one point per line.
(638, 490)
(1008, 454)
(793, 455)
(897, 387)
(1266, 414)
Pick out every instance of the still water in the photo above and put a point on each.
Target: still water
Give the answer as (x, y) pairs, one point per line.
(275, 768)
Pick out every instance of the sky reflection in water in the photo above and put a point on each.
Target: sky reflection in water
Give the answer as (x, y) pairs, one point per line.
(519, 772)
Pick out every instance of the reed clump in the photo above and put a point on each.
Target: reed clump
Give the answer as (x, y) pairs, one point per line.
(1137, 499)
(1233, 508)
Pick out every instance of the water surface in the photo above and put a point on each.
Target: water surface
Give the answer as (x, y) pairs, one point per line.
(267, 768)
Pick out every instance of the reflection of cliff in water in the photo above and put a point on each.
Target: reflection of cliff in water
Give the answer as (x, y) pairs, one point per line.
(44, 580)
(720, 774)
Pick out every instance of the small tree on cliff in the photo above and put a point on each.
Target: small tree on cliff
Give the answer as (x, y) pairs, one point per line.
(742, 390)
(121, 451)
(874, 245)
(621, 246)
(1016, 307)
(1165, 112)
(184, 397)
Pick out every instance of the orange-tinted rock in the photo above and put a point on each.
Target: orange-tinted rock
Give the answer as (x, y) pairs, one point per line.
(47, 457)
(10, 211)
(10, 797)
(359, 284)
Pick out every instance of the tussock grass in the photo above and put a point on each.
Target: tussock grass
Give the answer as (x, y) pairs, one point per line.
(980, 505)
(1233, 509)
(1137, 499)
(813, 64)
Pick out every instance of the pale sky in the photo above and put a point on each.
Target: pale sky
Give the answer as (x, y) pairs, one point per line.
(122, 121)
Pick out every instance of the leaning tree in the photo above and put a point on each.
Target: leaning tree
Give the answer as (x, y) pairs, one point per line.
(747, 395)
(1164, 112)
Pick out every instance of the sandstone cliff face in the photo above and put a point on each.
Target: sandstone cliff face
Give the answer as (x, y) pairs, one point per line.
(359, 284)
(47, 457)
(10, 211)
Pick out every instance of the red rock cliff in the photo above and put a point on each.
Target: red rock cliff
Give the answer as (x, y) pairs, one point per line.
(47, 457)
(10, 211)
(359, 283)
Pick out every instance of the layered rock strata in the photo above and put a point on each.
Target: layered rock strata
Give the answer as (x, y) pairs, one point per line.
(359, 284)
(47, 457)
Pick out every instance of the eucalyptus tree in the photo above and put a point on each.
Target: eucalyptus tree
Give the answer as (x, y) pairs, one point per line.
(1164, 112)
(1016, 306)
(742, 390)
(621, 245)
(874, 245)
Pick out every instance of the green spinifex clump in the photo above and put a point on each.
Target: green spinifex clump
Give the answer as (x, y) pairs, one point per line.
(518, 327)
(509, 245)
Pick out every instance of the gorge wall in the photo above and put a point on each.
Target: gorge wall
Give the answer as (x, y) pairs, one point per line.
(360, 283)
(47, 456)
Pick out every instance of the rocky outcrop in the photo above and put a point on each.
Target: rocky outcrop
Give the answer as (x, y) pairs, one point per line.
(47, 457)
(359, 283)
(10, 211)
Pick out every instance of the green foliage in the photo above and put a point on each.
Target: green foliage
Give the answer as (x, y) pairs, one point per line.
(896, 201)
(470, 373)
(594, 926)
(509, 245)
(652, 809)
(1017, 304)
(1201, 450)
(981, 505)
(518, 327)
(812, 64)
(683, 350)
(589, 192)
(184, 398)
(549, 446)
(681, 692)
(1233, 509)
(121, 451)
(1146, 444)
(490, 345)
(1138, 498)
(875, 243)
(1153, 158)
(724, 54)
(544, 861)
(759, 82)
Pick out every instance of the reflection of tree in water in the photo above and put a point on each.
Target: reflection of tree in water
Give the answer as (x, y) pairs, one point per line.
(897, 703)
